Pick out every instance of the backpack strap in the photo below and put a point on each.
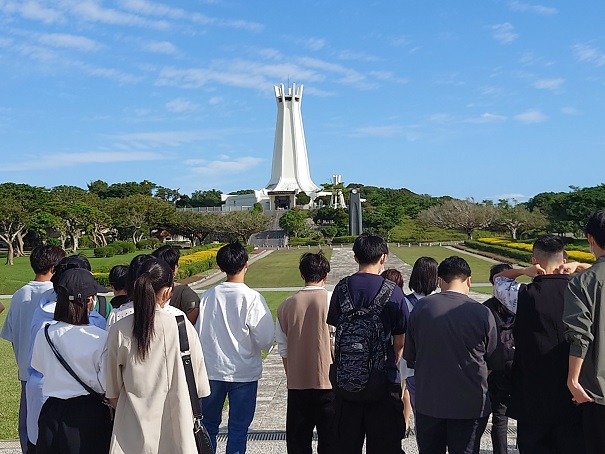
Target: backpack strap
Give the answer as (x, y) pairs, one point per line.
(102, 305)
(189, 375)
(344, 297)
(382, 297)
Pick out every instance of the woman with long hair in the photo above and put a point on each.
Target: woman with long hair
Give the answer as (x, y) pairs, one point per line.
(145, 376)
(423, 282)
(72, 420)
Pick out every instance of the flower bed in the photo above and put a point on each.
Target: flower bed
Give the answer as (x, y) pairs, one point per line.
(499, 245)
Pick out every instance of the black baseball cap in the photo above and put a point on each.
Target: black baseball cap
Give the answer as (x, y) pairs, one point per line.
(78, 284)
(70, 263)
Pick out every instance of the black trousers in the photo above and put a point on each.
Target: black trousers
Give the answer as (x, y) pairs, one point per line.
(459, 436)
(308, 409)
(499, 422)
(561, 437)
(379, 422)
(70, 426)
(593, 422)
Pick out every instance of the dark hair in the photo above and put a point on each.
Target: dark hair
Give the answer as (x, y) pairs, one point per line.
(153, 275)
(232, 258)
(548, 247)
(368, 248)
(423, 279)
(72, 312)
(133, 271)
(68, 263)
(45, 258)
(118, 277)
(393, 275)
(497, 269)
(453, 267)
(314, 267)
(169, 254)
(596, 227)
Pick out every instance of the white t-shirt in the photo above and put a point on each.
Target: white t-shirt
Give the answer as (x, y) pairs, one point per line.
(234, 325)
(83, 347)
(17, 327)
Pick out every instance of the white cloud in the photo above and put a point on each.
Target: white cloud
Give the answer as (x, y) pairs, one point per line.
(388, 76)
(356, 56)
(161, 47)
(34, 10)
(270, 54)
(504, 33)
(588, 53)
(531, 116)
(314, 44)
(215, 100)
(180, 105)
(538, 9)
(68, 41)
(92, 11)
(60, 160)
(223, 166)
(378, 131)
(549, 84)
(569, 111)
(169, 138)
(510, 196)
(486, 117)
(440, 118)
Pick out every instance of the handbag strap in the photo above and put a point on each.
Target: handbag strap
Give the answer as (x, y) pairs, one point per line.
(186, 357)
(69, 370)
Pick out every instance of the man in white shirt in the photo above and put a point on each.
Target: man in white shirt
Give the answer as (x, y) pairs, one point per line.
(17, 328)
(234, 325)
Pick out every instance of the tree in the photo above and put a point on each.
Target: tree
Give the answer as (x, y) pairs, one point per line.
(242, 192)
(294, 222)
(195, 226)
(462, 215)
(302, 198)
(517, 219)
(240, 225)
(210, 198)
(167, 194)
(136, 216)
(18, 204)
(382, 219)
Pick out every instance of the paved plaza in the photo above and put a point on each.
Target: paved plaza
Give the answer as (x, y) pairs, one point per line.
(267, 431)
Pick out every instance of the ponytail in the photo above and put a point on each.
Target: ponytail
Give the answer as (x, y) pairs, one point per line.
(143, 301)
(153, 275)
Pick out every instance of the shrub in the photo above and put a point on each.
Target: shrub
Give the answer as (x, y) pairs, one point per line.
(344, 239)
(102, 278)
(294, 241)
(53, 242)
(123, 247)
(150, 244)
(500, 250)
(104, 251)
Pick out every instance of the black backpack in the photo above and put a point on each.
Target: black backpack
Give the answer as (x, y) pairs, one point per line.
(360, 354)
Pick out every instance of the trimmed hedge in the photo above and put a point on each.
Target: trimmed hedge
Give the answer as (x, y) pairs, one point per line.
(123, 247)
(500, 250)
(150, 244)
(344, 239)
(294, 241)
(105, 251)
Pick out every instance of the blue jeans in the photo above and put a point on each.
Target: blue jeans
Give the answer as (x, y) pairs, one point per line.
(242, 403)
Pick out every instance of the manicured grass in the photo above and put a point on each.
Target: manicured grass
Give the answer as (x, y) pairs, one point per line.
(480, 268)
(13, 277)
(10, 387)
(274, 299)
(279, 269)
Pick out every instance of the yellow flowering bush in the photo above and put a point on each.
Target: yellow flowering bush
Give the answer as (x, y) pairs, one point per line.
(576, 256)
(198, 256)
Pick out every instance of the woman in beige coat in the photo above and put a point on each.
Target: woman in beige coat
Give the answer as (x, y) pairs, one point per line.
(145, 376)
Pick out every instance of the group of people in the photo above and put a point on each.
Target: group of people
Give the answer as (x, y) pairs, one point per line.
(358, 360)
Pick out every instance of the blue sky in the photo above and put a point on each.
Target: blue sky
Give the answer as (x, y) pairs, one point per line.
(481, 98)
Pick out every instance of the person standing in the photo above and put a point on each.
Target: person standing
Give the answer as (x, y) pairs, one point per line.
(499, 382)
(548, 421)
(146, 380)
(584, 318)
(234, 326)
(303, 341)
(450, 341)
(17, 327)
(72, 421)
(370, 316)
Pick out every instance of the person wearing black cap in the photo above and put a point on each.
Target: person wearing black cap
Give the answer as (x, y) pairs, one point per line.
(72, 420)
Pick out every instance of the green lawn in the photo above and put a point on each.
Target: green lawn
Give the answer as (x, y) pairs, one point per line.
(279, 269)
(480, 268)
(13, 277)
(10, 387)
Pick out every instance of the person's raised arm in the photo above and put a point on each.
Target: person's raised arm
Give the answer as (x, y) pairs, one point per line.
(573, 267)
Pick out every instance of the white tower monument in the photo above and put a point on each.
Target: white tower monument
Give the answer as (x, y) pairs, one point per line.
(290, 171)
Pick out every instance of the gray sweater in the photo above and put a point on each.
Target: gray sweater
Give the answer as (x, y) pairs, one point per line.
(584, 318)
